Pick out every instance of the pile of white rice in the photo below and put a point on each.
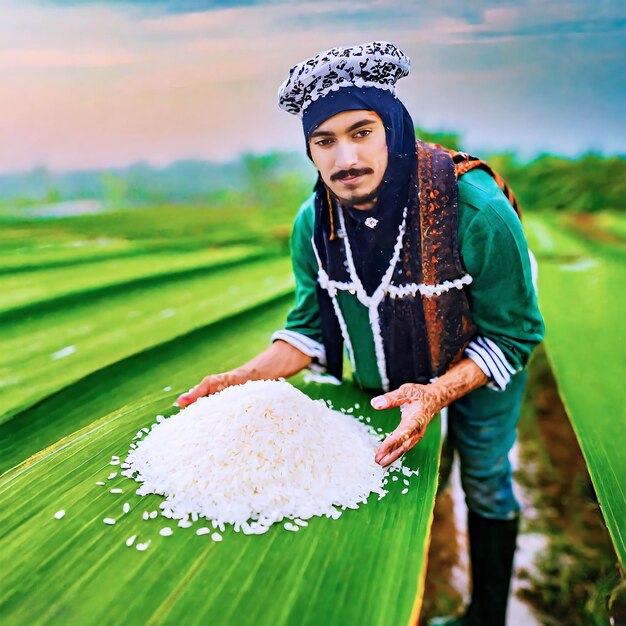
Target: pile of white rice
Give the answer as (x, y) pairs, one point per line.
(255, 454)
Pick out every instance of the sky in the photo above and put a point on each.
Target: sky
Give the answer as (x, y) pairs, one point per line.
(87, 84)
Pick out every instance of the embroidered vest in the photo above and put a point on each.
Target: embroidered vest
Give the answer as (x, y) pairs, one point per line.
(419, 314)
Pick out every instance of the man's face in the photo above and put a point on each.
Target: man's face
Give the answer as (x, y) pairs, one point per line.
(350, 152)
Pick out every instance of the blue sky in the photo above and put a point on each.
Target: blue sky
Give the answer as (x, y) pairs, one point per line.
(95, 84)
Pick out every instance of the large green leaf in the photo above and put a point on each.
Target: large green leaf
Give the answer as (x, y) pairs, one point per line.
(34, 287)
(45, 352)
(365, 568)
(23, 254)
(580, 285)
(177, 364)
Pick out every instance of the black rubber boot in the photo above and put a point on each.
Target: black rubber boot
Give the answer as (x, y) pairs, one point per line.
(492, 547)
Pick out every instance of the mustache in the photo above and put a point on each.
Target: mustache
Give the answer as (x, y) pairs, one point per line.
(350, 173)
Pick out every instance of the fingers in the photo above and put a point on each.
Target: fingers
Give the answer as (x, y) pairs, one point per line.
(395, 398)
(410, 430)
(395, 446)
(204, 388)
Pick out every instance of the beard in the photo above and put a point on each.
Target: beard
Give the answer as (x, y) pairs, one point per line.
(356, 200)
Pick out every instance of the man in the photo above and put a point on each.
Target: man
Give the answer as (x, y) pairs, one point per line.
(418, 265)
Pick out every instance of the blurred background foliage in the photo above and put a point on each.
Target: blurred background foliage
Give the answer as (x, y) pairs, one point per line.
(277, 182)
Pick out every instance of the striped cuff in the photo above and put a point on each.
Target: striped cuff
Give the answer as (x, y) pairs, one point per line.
(491, 360)
(305, 344)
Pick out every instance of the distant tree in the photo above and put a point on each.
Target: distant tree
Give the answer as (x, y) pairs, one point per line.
(447, 139)
(53, 194)
(115, 188)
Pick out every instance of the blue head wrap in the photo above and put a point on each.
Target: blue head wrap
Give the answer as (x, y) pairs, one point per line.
(373, 247)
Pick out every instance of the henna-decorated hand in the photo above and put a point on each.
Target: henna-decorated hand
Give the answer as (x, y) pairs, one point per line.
(418, 405)
(211, 384)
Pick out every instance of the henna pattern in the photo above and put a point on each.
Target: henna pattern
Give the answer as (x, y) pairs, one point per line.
(420, 403)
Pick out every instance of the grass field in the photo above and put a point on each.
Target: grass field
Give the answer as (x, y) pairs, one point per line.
(102, 337)
(106, 319)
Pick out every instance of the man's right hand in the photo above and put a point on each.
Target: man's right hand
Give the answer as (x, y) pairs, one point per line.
(211, 384)
(279, 360)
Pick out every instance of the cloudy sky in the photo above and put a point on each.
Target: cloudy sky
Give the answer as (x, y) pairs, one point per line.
(91, 84)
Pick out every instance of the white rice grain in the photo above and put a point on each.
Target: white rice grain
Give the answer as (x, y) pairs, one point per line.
(131, 540)
(166, 532)
(256, 454)
(59, 514)
(109, 520)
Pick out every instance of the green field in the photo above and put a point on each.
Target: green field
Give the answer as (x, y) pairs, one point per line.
(145, 323)
(107, 318)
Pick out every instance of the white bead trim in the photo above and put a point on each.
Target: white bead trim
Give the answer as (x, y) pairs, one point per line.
(344, 331)
(372, 302)
(327, 284)
(429, 291)
(385, 288)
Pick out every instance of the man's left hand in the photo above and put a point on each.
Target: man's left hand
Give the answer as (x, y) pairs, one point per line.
(418, 405)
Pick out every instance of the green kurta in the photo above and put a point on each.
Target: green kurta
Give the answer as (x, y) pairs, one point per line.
(494, 252)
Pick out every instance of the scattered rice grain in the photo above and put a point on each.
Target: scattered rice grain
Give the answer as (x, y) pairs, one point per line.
(267, 477)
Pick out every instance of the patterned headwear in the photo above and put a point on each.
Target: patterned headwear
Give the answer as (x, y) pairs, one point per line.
(377, 64)
(360, 78)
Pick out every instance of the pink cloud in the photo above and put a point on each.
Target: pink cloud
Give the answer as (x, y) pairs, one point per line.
(50, 58)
